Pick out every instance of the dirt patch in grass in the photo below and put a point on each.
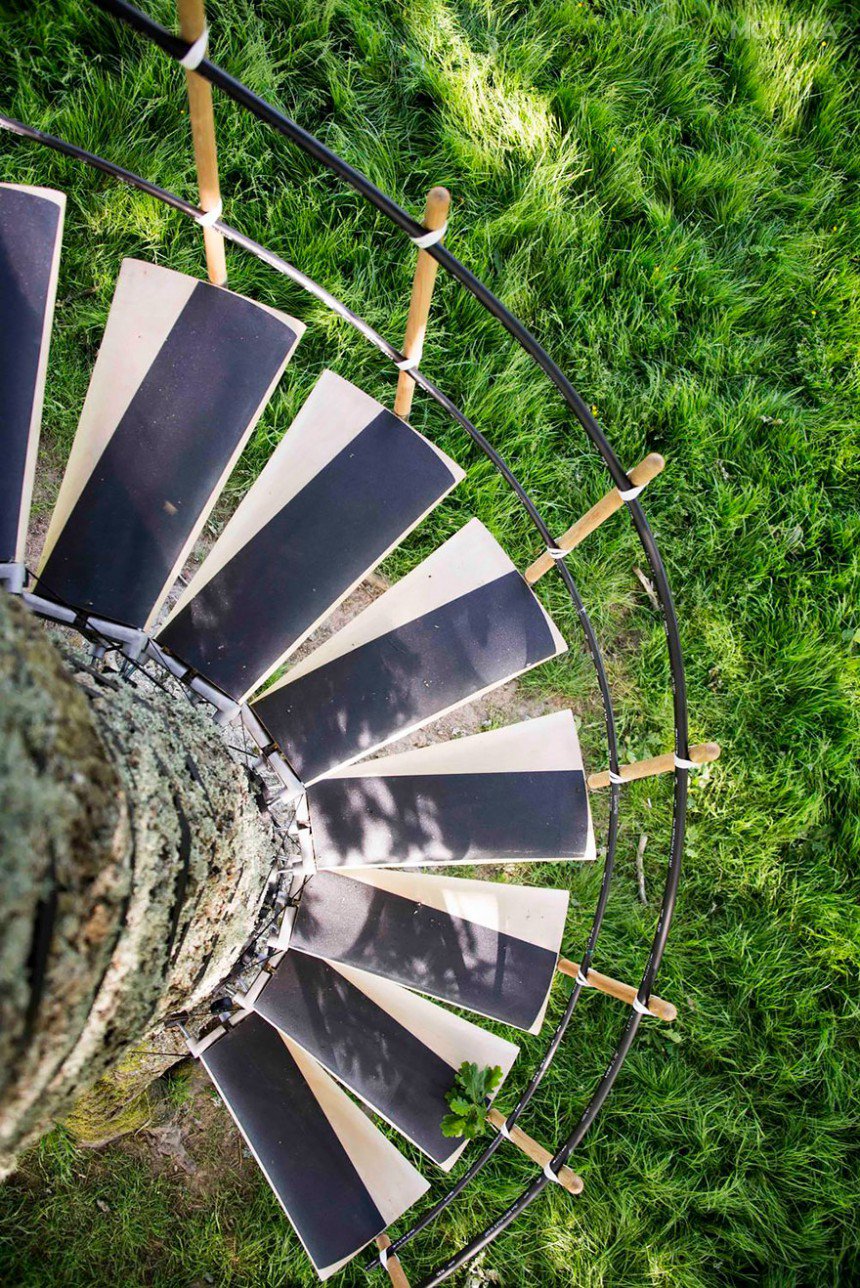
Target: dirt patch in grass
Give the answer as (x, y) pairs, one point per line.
(198, 1142)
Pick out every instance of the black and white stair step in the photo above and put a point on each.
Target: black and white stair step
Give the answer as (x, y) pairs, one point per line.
(344, 486)
(516, 794)
(483, 946)
(397, 1052)
(340, 1182)
(31, 229)
(182, 376)
(460, 624)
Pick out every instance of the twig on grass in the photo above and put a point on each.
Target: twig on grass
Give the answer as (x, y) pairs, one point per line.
(647, 586)
(640, 867)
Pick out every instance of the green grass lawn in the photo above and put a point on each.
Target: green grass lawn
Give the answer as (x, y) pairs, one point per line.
(667, 193)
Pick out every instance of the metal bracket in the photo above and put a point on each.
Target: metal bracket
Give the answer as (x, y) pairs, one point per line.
(245, 1001)
(197, 1048)
(300, 830)
(228, 709)
(281, 941)
(292, 786)
(14, 577)
(47, 608)
(170, 664)
(132, 641)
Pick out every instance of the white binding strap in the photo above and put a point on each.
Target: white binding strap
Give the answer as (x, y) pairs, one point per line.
(431, 237)
(616, 779)
(192, 59)
(681, 763)
(631, 493)
(505, 1131)
(383, 1256)
(408, 364)
(556, 552)
(579, 978)
(206, 218)
(640, 1007)
(550, 1174)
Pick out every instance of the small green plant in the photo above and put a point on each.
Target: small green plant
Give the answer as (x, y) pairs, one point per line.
(469, 1100)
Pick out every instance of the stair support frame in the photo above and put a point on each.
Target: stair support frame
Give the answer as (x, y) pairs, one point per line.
(178, 49)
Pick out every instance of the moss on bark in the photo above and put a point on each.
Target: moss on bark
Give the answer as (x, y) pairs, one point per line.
(134, 861)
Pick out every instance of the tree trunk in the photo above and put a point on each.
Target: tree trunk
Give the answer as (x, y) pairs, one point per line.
(134, 861)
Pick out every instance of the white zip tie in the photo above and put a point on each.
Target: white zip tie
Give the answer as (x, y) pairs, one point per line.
(383, 1256)
(550, 1174)
(195, 53)
(616, 779)
(640, 1006)
(579, 978)
(431, 237)
(631, 493)
(681, 763)
(505, 1130)
(407, 364)
(206, 218)
(556, 552)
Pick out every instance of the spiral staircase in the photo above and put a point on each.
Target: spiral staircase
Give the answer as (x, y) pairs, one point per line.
(351, 999)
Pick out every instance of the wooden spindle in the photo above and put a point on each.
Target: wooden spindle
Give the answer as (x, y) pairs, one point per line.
(566, 1177)
(641, 474)
(435, 214)
(702, 754)
(192, 23)
(624, 992)
(392, 1265)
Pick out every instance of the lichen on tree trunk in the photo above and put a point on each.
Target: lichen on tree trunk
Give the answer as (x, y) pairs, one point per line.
(133, 863)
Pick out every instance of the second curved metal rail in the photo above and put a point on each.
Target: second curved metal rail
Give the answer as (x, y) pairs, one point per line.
(177, 48)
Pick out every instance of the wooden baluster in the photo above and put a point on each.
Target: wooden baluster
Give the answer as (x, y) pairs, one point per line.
(567, 1178)
(392, 1265)
(702, 754)
(435, 215)
(614, 988)
(192, 24)
(641, 474)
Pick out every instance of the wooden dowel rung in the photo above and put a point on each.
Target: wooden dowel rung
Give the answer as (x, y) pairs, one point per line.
(192, 23)
(435, 215)
(641, 474)
(392, 1265)
(702, 754)
(623, 992)
(566, 1177)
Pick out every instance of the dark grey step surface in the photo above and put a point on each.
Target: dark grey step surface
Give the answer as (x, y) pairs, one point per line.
(405, 677)
(420, 946)
(300, 563)
(412, 819)
(162, 466)
(30, 228)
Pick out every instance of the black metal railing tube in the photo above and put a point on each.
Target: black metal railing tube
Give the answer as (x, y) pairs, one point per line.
(177, 48)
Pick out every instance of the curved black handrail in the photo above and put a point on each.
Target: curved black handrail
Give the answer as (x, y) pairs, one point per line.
(177, 48)
(184, 207)
(231, 234)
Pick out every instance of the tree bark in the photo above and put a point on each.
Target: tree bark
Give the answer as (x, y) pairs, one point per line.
(133, 862)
